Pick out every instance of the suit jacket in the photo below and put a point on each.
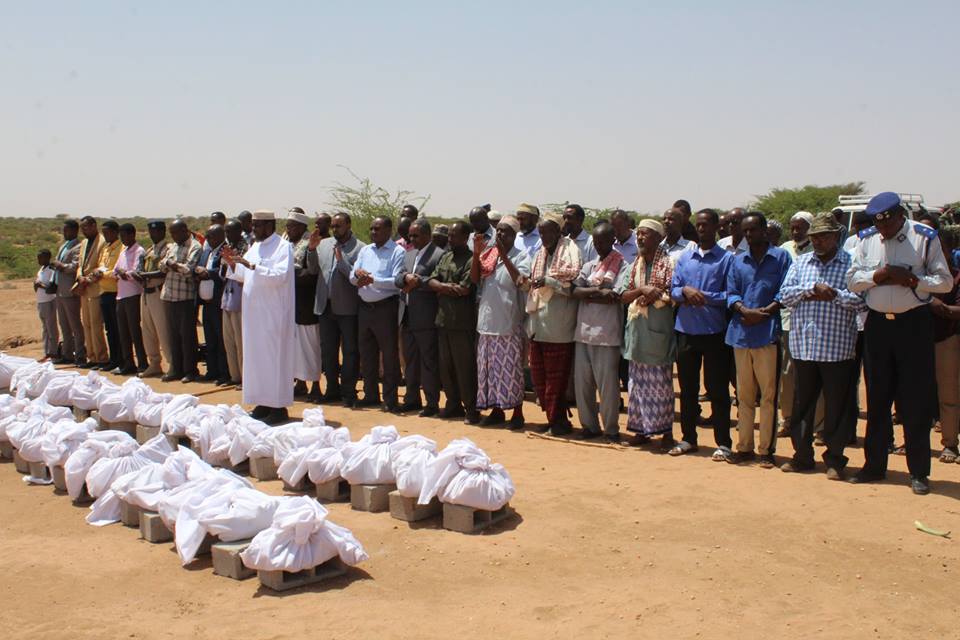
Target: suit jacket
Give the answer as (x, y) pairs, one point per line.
(418, 309)
(214, 271)
(89, 262)
(68, 277)
(321, 261)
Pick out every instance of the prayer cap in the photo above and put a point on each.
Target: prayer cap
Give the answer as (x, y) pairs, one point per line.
(554, 217)
(264, 214)
(824, 223)
(806, 216)
(528, 208)
(653, 225)
(296, 216)
(512, 222)
(882, 202)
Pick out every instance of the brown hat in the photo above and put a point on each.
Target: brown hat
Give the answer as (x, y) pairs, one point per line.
(824, 223)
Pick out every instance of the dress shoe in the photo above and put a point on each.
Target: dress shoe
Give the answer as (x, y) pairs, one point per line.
(190, 377)
(349, 403)
(496, 417)
(587, 434)
(740, 457)
(276, 416)
(428, 412)
(834, 474)
(863, 477)
(223, 382)
(451, 412)
(795, 467)
(151, 373)
(920, 486)
(87, 364)
(410, 406)
(391, 408)
(208, 378)
(517, 423)
(170, 377)
(612, 439)
(330, 398)
(472, 417)
(562, 429)
(259, 412)
(367, 403)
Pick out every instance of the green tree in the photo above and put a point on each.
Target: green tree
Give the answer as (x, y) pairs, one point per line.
(782, 203)
(365, 201)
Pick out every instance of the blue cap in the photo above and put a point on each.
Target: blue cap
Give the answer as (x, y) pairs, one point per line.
(882, 202)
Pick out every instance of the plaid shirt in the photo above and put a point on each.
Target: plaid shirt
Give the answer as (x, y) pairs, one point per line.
(821, 331)
(180, 284)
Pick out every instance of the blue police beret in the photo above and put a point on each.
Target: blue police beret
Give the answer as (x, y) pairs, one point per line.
(882, 202)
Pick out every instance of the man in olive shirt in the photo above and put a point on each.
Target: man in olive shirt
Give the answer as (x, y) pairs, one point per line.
(457, 323)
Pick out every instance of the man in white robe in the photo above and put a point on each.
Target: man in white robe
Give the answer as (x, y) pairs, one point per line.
(266, 271)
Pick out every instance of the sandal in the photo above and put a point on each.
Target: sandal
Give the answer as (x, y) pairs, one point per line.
(666, 443)
(722, 454)
(681, 448)
(899, 451)
(949, 455)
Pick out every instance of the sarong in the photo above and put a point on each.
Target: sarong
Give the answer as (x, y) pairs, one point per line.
(499, 371)
(650, 403)
(550, 369)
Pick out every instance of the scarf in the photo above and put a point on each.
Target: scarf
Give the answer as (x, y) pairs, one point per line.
(565, 267)
(488, 261)
(660, 276)
(607, 270)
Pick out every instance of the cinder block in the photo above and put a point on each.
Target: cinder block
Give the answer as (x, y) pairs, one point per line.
(39, 470)
(336, 490)
(303, 485)
(242, 469)
(126, 427)
(152, 528)
(144, 432)
(6, 450)
(129, 514)
(84, 498)
(371, 497)
(59, 479)
(283, 580)
(227, 562)
(21, 465)
(207, 544)
(469, 520)
(263, 468)
(176, 441)
(81, 414)
(404, 508)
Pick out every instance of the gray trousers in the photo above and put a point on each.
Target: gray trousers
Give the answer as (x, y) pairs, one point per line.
(48, 327)
(421, 352)
(68, 311)
(598, 369)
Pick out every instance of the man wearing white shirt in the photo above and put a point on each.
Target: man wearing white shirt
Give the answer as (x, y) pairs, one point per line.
(374, 274)
(735, 243)
(625, 238)
(673, 242)
(528, 240)
(46, 305)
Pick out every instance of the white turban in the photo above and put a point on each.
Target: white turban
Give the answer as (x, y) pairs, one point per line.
(806, 216)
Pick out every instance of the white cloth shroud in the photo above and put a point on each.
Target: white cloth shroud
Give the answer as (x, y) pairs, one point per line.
(105, 471)
(98, 444)
(33, 422)
(60, 443)
(300, 537)
(149, 410)
(169, 504)
(29, 380)
(321, 460)
(278, 442)
(33, 448)
(117, 405)
(59, 388)
(86, 391)
(410, 457)
(463, 474)
(179, 413)
(147, 486)
(231, 513)
(9, 364)
(367, 461)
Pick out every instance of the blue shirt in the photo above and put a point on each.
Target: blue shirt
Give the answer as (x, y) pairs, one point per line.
(755, 286)
(529, 243)
(821, 331)
(384, 264)
(707, 272)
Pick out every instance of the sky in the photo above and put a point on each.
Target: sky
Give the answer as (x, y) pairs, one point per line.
(167, 108)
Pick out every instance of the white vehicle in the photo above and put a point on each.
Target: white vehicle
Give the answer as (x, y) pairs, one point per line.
(912, 202)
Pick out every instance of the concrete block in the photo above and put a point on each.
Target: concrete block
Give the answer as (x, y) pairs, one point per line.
(177, 441)
(127, 427)
(84, 498)
(39, 470)
(283, 580)
(227, 562)
(6, 450)
(263, 468)
(59, 479)
(144, 433)
(129, 514)
(302, 486)
(371, 497)
(336, 490)
(242, 469)
(21, 465)
(81, 414)
(152, 528)
(407, 509)
(469, 520)
(207, 544)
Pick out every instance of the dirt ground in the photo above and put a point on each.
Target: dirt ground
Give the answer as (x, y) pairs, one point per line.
(608, 542)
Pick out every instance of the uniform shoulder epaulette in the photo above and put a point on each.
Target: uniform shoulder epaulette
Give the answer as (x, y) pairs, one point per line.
(924, 230)
(866, 233)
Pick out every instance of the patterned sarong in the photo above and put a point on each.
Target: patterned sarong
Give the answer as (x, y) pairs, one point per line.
(650, 403)
(550, 370)
(499, 371)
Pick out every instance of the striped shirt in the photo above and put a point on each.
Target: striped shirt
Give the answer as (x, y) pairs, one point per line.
(821, 331)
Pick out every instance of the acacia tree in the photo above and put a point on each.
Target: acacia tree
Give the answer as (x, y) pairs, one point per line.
(365, 201)
(781, 203)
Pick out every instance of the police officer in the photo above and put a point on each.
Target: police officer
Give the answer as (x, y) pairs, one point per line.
(897, 265)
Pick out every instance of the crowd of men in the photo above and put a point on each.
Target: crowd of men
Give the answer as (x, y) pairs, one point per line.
(491, 305)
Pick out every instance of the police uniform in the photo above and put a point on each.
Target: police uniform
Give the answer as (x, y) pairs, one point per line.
(899, 352)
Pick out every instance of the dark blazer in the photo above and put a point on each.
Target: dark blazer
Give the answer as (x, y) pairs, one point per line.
(418, 309)
(214, 271)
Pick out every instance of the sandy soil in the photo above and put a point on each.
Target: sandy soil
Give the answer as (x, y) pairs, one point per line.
(608, 542)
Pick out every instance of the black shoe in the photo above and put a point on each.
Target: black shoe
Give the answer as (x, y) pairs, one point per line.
(428, 412)
(208, 378)
(128, 371)
(330, 398)
(586, 434)
(63, 361)
(391, 408)
(863, 477)
(170, 377)
(223, 382)
(349, 403)
(496, 417)
(366, 403)
(117, 372)
(190, 377)
(81, 364)
(299, 389)
(517, 423)
(562, 429)
(451, 412)
(86, 364)
(259, 412)
(472, 417)
(740, 457)
(410, 406)
(612, 439)
(276, 416)
(920, 486)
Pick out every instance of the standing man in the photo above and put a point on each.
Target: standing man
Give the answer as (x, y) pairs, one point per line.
(441, 236)
(322, 224)
(375, 275)
(89, 290)
(153, 316)
(46, 293)
(337, 303)
(897, 267)
(573, 217)
(625, 238)
(753, 293)
(480, 221)
(307, 355)
(218, 218)
(109, 253)
(231, 304)
(735, 242)
(699, 288)
(266, 270)
(528, 240)
(598, 336)
(210, 290)
(129, 291)
(457, 324)
(823, 343)
(418, 321)
(179, 296)
(673, 242)
(553, 320)
(72, 350)
(246, 222)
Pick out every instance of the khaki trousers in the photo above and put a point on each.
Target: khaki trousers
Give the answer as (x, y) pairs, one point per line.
(947, 354)
(93, 337)
(757, 370)
(153, 321)
(233, 344)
